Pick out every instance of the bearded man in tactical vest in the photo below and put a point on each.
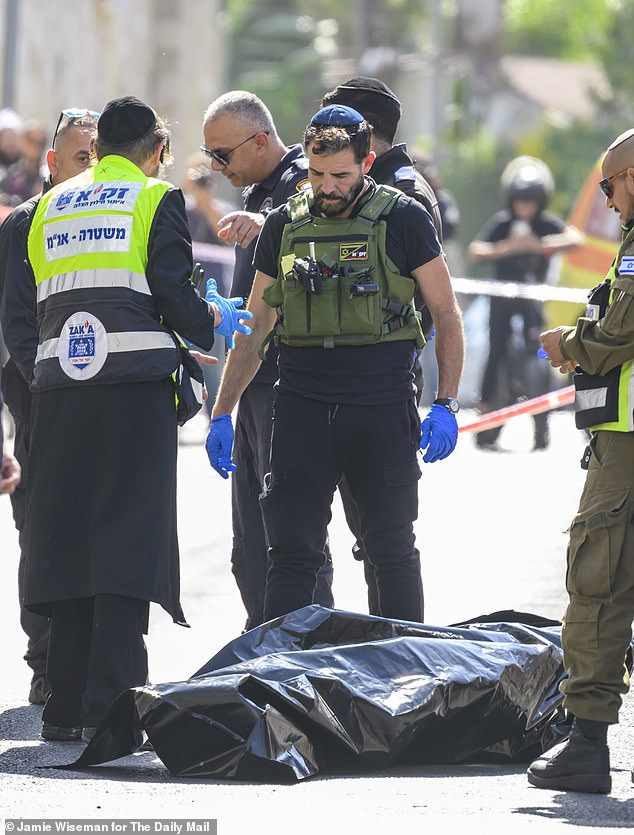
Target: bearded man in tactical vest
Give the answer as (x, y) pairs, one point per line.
(334, 287)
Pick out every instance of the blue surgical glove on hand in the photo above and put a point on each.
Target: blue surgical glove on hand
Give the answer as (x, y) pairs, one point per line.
(230, 311)
(219, 445)
(438, 433)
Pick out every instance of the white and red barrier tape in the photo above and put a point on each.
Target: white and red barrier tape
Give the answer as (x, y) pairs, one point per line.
(513, 290)
(534, 406)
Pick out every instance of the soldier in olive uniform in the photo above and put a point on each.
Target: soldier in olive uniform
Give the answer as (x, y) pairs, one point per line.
(600, 578)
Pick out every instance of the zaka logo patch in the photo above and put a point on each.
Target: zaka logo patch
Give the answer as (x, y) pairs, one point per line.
(83, 346)
(353, 252)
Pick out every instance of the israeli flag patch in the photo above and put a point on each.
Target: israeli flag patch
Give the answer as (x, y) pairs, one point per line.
(405, 172)
(626, 266)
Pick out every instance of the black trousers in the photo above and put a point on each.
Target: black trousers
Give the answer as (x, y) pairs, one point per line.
(352, 513)
(96, 650)
(526, 375)
(314, 445)
(249, 552)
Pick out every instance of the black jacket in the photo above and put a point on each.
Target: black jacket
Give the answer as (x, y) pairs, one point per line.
(396, 168)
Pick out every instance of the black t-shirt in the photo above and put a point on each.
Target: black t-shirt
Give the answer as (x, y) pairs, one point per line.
(355, 374)
(528, 267)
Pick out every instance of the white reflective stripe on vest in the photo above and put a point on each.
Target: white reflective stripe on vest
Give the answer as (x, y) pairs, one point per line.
(590, 399)
(89, 279)
(198, 389)
(117, 343)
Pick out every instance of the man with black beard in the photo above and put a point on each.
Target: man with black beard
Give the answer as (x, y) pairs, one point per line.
(335, 278)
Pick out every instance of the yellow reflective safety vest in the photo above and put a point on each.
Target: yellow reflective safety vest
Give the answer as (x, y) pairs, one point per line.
(88, 246)
(336, 284)
(605, 401)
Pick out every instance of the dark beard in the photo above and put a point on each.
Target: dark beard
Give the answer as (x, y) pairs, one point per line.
(340, 203)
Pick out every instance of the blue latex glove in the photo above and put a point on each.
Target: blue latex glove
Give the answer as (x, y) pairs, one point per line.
(232, 316)
(438, 434)
(219, 445)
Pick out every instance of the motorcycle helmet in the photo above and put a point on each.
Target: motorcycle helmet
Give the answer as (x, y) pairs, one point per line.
(528, 178)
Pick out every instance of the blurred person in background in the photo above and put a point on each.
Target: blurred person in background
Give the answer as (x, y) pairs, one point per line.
(519, 241)
(447, 206)
(24, 178)
(69, 155)
(10, 130)
(242, 143)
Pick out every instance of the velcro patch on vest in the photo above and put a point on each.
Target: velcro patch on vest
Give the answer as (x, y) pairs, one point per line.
(353, 252)
(94, 233)
(118, 195)
(626, 265)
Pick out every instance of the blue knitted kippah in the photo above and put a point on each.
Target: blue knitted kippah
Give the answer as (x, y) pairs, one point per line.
(337, 115)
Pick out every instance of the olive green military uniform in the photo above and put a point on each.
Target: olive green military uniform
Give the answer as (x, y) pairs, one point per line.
(600, 573)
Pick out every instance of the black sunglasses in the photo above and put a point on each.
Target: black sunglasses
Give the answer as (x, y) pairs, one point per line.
(606, 185)
(72, 113)
(222, 157)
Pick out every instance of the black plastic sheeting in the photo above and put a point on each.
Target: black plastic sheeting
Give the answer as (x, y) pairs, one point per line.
(326, 691)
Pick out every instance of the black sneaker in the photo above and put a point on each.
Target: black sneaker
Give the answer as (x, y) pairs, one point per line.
(55, 733)
(577, 764)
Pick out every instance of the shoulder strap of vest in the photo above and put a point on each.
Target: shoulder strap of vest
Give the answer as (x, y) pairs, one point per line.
(380, 203)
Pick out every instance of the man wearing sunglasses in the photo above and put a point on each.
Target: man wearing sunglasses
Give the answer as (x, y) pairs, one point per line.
(69, 155)
(242, 143)
(600, 578)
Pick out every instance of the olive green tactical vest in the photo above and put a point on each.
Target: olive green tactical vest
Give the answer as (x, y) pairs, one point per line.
(363, 299)
(605, 401)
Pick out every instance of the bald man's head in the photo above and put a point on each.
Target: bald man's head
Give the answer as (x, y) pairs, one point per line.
(620, 154)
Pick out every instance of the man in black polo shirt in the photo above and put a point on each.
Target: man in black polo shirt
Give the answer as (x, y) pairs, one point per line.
(242, 143)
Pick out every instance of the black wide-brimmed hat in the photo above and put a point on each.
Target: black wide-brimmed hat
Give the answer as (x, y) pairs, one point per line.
(125, 120)
(373, 98)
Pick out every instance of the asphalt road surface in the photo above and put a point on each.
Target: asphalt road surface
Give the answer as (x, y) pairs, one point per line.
(492, 536)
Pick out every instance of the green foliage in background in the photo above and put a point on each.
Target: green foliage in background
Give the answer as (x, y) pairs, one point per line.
(561, 29)
(281, 49)
(473, 177)
(597, 31)
(278, 49)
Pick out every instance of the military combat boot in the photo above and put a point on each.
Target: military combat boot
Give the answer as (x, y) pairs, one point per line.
(581, 763)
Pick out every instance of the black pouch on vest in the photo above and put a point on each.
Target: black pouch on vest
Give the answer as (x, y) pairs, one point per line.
(606, 387)
(190, 385)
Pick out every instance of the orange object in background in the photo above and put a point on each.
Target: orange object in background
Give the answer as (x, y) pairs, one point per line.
(587, 265)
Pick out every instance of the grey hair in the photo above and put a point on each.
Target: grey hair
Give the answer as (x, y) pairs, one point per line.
(246, 108)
